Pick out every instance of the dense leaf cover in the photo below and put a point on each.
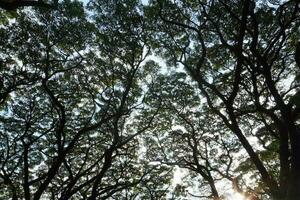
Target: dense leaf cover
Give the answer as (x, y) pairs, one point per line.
(108, 100)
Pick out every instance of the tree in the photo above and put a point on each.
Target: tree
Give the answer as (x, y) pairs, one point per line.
(241, 54)
(14, 4)
(69, 124)
(187, 137)
(85, 113)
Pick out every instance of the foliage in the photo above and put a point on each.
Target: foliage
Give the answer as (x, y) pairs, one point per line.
(107, 100)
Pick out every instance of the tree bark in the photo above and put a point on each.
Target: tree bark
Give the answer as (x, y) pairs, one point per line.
(284, 160)
(293, 191)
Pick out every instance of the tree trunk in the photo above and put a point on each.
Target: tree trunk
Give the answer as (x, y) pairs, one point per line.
(293, 191)
(284, 155)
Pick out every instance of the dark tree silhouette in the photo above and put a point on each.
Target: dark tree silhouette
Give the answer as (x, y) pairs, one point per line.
(14, 4)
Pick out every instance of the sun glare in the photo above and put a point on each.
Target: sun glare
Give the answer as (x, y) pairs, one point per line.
(236, 196)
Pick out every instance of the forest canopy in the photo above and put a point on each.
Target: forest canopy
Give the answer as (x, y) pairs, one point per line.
(158, 99)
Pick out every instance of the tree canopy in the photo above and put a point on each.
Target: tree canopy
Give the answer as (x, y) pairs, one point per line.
(115, 99)
(15, 4)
